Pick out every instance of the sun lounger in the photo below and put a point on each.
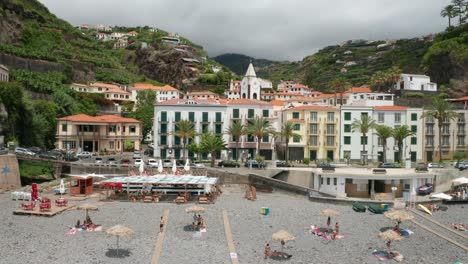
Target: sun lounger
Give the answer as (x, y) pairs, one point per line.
(459, 227)
(44, 207)
(61, 202)
(28, 206)
(376, 209)
(359, 207)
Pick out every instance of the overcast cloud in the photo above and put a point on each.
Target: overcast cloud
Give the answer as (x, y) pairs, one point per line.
(280, 30)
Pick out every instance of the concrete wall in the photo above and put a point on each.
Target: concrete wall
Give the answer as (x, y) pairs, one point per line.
(9, 173)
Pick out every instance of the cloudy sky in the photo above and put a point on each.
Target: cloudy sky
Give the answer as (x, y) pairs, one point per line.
(272, 29)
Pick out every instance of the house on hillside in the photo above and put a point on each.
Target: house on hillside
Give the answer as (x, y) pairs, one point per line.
(201, 95)
(132, 33)
(4, 73)
(415, 82)
(121, 44)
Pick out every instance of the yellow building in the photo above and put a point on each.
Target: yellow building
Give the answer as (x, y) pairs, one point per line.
(319, 129)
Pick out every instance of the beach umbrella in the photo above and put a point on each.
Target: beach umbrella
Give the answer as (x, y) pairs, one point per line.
(195, 209)
(460, 181)
(390, 236)
(118, 231)
(141, 169)
(174, 167)
(160, 166)
(283, 236)
(87, 207)
(62, 188)
(187, 165)
(399, 216)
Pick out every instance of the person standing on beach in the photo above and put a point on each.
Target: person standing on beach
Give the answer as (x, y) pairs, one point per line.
(328, 222)
(337, 228)
(161, 224)
(267, 250)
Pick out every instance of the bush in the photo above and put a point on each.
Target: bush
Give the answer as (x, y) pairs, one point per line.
(260, 159)
(306, 161)
(414, 94)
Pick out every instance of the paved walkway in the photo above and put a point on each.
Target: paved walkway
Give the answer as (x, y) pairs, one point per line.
(227, 231)
(159, 242)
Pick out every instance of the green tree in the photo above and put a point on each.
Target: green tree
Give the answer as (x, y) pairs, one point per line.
(449, 12)
(195, 148)
(400, 134)
(184, 129)
(145, 110)
(236, 130)
(339, 85)
(460, 10)
(443, 112)
(287, 131)
(384, 132)
(364, 125)
(458, 156)
(259, 128)
(210, 143)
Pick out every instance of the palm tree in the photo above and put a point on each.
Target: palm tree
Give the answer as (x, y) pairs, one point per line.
(339, 85)
(287, 131)
(450, 12)
(460, 9)
(384, 132)
(259, 128)
(392, 76)
(236, 130)
(443, 112)
(378, 80)
(363, 126)
(210, 143)
(185, 129)
(399, 134)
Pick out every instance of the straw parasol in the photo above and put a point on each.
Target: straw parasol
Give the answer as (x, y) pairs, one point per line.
(390, 236)
(282, 236)
(118, 231)
(399, 216)
(195, 209)
(87, 207)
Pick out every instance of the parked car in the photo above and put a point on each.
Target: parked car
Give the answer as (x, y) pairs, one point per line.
(153, 163)
(84, 155)
(111, 161)
(70, 157)
(125, 162)
(425, 189)
(136, 155)
(3, 151)
(138, 162)
(283, 163)
(98, 160)
(461, 162)
(36, 150)
(389, 165)
(463, 166)
(24, 151)
(254, 164)
(198, 164)
(434, 165)
(228, 163)
(49, 155)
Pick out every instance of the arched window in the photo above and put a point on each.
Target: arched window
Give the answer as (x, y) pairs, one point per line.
(243, 95)
(255, 96)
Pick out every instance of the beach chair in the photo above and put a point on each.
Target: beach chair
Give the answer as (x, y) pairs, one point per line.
(44, 207)
(359, 207)
(376, 209)
(28, 206)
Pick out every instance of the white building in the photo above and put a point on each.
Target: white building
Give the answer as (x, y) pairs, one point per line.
(110, 91)
(234, 90)
(351, 143)
(201, 95)
(4, 73)
(251, 86)
(163, 93)
(415, 82)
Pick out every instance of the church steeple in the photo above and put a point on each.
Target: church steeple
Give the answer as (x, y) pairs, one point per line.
(250, 71)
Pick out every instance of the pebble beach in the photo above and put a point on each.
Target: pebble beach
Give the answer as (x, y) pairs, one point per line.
(34, 239)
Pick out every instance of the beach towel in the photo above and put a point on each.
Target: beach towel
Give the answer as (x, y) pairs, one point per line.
(72, 231)
(381, 255)
(196, 235)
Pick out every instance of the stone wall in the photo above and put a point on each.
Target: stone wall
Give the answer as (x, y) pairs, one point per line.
(9, 173)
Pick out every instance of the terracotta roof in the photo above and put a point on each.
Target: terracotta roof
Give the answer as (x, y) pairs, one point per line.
(202, 93)
(313, 107)
(277, 102)
(304, 98)
(390, 108)
(98, 119)
(79, 84)
(247, 101)
(464, 98)
(286, 93)
(359, 90)
(300, 86)
(104, 85)
(316, 92)
(148, 86)
(116, 90)
(133, 32)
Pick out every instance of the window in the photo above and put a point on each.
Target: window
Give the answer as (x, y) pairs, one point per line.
(335, 181)
(364, 114)
(218, 117)
(461, 129)
(347, 116)
(205, 117)
(176, 140)
(414, 129)
(132, 129)
(429, 141)
(414, 117)
(321, 180)
(177, 116)
(313, 116)
(112, 129)
(461, 117)
(397, 117)
(204, 128)
(430, 129)
(347, 140)
(328, 181)
(163, 140)
(265, 113)
(347, 128)
(164, 116)
(313, 129)
(296, 139)
(347, 154)
(330, 129)
(69, 144)
(163, 128)
(330, 140)
(191, 116)
(111, 144)
(313, 141)
(265, 138)
(381, 117)
(297, 127)
(445, 129)
(235, 113)
(330, 116)
(295, 115)
(218, 129)
(460, 140)
(250, 113)
(379, 141)
(445, 141)
(364, 140)
(414, 140)
(64, 127)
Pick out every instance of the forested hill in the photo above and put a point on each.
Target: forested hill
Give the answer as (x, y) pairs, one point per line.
(443, 57)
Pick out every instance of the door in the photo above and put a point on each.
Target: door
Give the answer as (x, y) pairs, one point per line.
(330, 154)
(429, 156)
(82, 186)
(380, 156)
(312, 155)
(413, 156)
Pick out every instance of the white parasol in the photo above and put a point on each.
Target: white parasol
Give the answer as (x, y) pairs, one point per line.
(460, 181)
(442, 196)
(142, 167)
(187, 165)
(174, 167)
(62, 188)
(160, 166)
